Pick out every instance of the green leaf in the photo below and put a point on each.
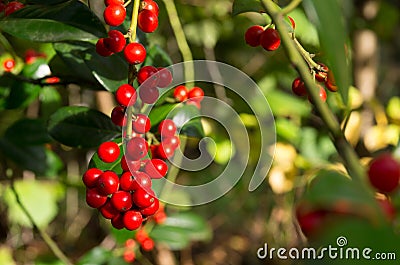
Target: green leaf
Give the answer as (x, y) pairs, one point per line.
(78, 126)
(187, 119)
(28, 132)
(21, 95)
(156, 56)
(96, 162)
(50, 100)
(328, 18)
(283, 104)
(173, 237)
(96, 256)
(242, 6)
(42, 208)
(157, 114)
(122, 235)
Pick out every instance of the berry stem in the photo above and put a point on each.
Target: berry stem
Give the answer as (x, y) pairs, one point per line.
(134, 21)
(345, 150)
(180, 39)
(290, 7)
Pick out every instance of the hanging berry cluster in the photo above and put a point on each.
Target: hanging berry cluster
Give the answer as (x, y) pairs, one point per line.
(127, 199)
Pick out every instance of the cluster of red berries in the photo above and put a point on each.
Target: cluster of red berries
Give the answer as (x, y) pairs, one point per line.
(192, 96)
(10, 7)
(114, 15)
(131, 245)
(322, 74)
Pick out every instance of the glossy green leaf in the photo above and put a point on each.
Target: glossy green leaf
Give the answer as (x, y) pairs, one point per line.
(242, 6)
(50, 100)
(28, 132)
(329, 20)
(96, 162)
(195, 227)
(97, 255)
(159, 113)
(21, 95)
(156, 56)
(173, 237)
(78, 126)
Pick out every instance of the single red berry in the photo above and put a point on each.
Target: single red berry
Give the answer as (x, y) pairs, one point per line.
(141, 181)
(129, 256)
(52, 80)
(310, 221)
(156, 168)
(173, 141)
(322, 94)
(330, 82)
(94, 198)
(132, 220)
(147, 21)
(9, 65)
(148, 94)
(121, 200)
(384, 173)
(136, 148)
(114, 15)
(298, 87)
(196, 94)
(164, 77)
(150, 5)
(152, 209)
(118, 222)
(91, 176)
(194, 103)
(181, 93)
(141, 235)
(129, 165)
(2, 6)
(108, 211)
(143, 198)
(322, 75)
(108, 152)
(115, 41)
(130, 243)
(253, 35)
(270, 39)
(113, 2)
(13, 6)
(149, 74)
(163, 151)
(101, 48)
(141, 124)
(118, 116)
(126, 181)
(160, 217)
(167, 128)
(292, 22)
(147, 244)
(135, 53)
(108, 183)
(126, 95)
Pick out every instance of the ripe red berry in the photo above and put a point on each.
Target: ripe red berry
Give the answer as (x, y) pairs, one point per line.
(181, 93)
(108, 183)
(141, 124)
(312, 221)
(113, 2)
(130, 165)
(298, 87)
(160, 217)
(147, 21)
(9, 65)
(13, 6)
(115, 41)
(136, 148)
(149, 94)
(164, 77)
(147, 244)
(91, 176)
(167, 128)
(253, 35)
(173, 141)
(322, 94)
(129, 256)
(143, 198)
(108, 211)
(270, 39)
(196, 94)
(114, 15)
(141, 181)
(118, 116)
(156, 168)
(108, 152)
(148, 73)
(121, 200)
(150, 5)
(152, 209)
(292, 22)
(126, 95)
(135, 53)
(163, 151)
(101, 48)
(194, 103)
(126, 181)
(118, 222)
(141, 235)
(94, 198)
(322, 75)
(2, 6)
(330, 82)
(130, 243)
(384, 173)
(132, 220)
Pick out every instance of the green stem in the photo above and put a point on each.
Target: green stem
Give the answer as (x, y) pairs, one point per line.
(290, 7)
(180, 39)
(345, 150)
(133, 26)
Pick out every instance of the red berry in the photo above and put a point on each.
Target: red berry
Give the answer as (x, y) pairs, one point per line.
(121, 200)
(118, 116)
(130, 165)
(149, 94)
(2, 6)
(321, 76)
(253, 35)
(118, 222)
(130, 243)
(330, 82)
(135, 53)
(136, 148)
(132, 220)
(181, 93)
(113, 2)
(156, 168)
(114, 15)
(9, 65)
(159, 217)
(13, 6)
(322, 94)
(108, 211)
(310, 221)
(152, 209)
(298, 87)
(91, 176)
(196, 94)
(108, 183)
(115, 41)
(194, 103)
(384, 173)
(129, 256)
(143, 198)
(167, 128)
(141, 181)
(150, 5)
(163, 151)
(147, 244)
(270, 39)
(173, 141)
(148, 73)
(141, 124)
(292, 22)
(147, 21)
(108, 152)
(164, 77)
(126, 95)
(94, 199)
(101, 48)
